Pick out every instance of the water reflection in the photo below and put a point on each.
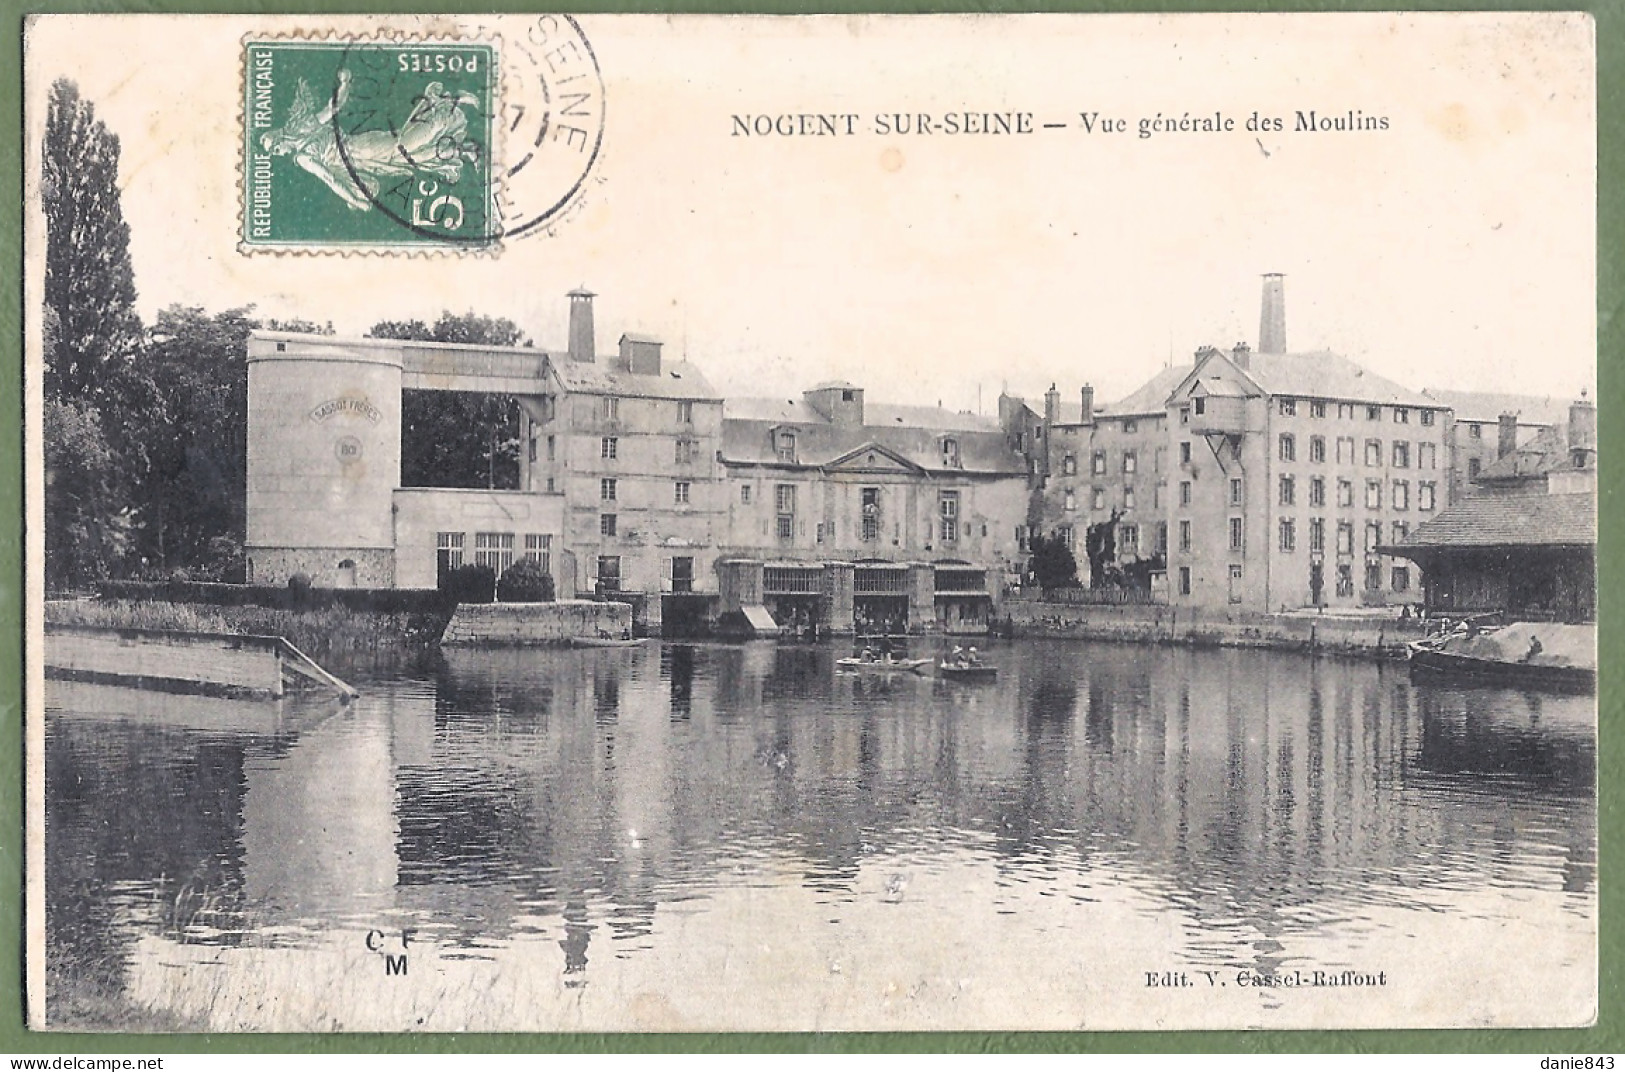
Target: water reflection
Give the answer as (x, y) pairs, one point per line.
(588, 808)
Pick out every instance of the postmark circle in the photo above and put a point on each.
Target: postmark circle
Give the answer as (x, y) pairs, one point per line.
(409, 128)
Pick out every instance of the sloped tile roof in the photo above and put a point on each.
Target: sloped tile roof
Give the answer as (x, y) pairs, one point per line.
(1568, 520)
(819, 442)
(1323, 374)
(1486, 407)
(1152, 396)
(677, 379)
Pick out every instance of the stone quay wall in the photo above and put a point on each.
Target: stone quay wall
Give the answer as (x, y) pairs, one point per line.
(528, 624)
(1371, 636)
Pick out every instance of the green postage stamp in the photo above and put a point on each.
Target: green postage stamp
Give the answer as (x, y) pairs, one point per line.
(355, 145)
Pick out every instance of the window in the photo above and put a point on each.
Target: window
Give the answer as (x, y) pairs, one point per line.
(1317, 449)
(1128, 540)
(1426, 456)
(1373, 413)
(1345, 493)
(1201, 406)
(1345, 539)
(1184, 580)
(1097, 464)
(785, 446)
(1185, 453)
(1402, 454)
(1021, 539)
(744, 494)
(685, 451)
(948, 513)
(1184, 535)
(531, 452)
(1184, 493)
(609, 573)
(1345, 450)
(679, 492)
(1236, 532)
(1097, 498)
(1345, 579)
(606, 524)
(1317, 409)
(551, 486)
(1402, 495)
(1130, 463)
(1402, 415)
(1472, 468)
(870, 500)
(1065, 534)
(950, 452)
(848, 396)
(1317, 535)
(1345, 411)
(1373, 536)
(1400, 531)
(1289, 534)
(784, 501)
(448, 553)
(1289, 448)
(1373, 452)
(1128, 496)
(1373, 495)
(552, 448)
(1069, 500)
(1289, 407)
(1373, 576)
(685, 413)
(1129, 427)
(606, 490)
(1156, 496)
(539, 549)
(494, 549)
(1425, 492)
(1235, 584)
(1235, 491)
(611, 408)
(1162, 537)
(1427, 417)
(1475, 431)
(1289, 490)
(1184, 415)
(1069, 465)
(609, 447)
(682, 573)
(1402, 578)
(1317, 491)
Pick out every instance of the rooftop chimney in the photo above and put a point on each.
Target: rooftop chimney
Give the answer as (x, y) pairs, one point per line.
(1087, 410)
(1052, 406)
(1583, 424)
(1506, 440)
(583, 339)
(1272, 322)
(1242, 355)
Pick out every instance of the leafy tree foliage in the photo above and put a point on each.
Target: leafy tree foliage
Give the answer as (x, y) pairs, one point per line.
(456, 439)
(89, 283)
(525, 582)
(85, 534)
(1100, 544)
(1051, 563)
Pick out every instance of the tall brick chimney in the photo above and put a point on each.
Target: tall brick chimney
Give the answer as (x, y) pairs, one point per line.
(1088, 404)
(583, 339)
(1272, 321)
(1506, 439)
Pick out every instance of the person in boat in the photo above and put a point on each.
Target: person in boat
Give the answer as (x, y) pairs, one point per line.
(972, 659)
(868, 655)
(1535, 648)
(958, 656)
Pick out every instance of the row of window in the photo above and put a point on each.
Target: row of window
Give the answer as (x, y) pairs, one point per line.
(493, 549)
(1427, 455)
(609, 490)
(1288, 407)
(609, 449)
(1400, 579)
(1400, 499)
(608, 408)
(1287, 535)
(1097, 463)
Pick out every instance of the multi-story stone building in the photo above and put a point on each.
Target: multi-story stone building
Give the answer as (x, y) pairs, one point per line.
(1487, 426)
(852, 515)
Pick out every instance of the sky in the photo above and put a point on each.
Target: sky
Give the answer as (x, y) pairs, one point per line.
(1455, 248)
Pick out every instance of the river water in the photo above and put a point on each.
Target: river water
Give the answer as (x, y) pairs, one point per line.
(684, 837)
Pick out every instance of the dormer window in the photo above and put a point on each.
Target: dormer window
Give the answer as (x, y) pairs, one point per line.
(950, 452)
(784, 445)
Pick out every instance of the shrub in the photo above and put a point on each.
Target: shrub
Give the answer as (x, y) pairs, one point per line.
(299, 582)
(470, 584)
(525, 582)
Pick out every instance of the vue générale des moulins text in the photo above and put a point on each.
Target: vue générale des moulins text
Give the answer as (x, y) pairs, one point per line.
(962, 122)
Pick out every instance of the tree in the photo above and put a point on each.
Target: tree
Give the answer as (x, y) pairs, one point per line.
(1052, 563)
(1100, 544)
(85, 536)
(89, 283)
(456, 439)
(191, 493)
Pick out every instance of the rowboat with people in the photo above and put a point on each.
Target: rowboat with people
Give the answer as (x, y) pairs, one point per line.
(965, 664)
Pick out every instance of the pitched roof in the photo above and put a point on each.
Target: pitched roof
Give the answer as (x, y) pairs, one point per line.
(748, 426)
(1152, 396)
(1486, 407)
(1548, 450)
(1568, 520)
(1323, 374)
(677, 379)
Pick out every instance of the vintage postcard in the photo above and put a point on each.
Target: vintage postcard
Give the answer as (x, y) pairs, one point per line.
(696, 523)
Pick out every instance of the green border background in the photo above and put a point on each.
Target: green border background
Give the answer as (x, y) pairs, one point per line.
(1607, 1037)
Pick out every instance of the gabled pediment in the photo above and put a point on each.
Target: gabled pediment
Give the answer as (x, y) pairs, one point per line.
(873, 458)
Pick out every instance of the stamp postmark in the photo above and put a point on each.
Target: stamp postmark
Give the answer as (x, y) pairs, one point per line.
(411, 145)
(370, 144)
